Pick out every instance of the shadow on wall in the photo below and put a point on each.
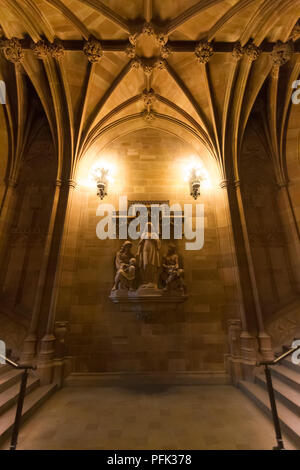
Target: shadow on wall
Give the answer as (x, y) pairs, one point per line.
(13, 335)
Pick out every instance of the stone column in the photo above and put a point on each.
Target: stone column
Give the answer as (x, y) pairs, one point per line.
(247, 341)
(2, 193)
(62, 365)
(30, 342)
(264, 339)
(292, 230)
(235, 349)
(7, 212)
(47, 348)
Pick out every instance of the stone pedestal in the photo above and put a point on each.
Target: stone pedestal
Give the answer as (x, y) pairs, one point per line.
(146, 301)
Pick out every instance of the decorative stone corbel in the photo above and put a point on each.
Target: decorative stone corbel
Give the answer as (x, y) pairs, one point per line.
(12, 50)
(56, 50)
(148, 69)
(160, 64)
(238, 51)
(252, 51)
(148, 97)
(93, 50)
(203, 52)
(166, 51)
(136, 63)
(282, 53)
(148, 116)
(40, 49)
(133, 38)
(130, 51)
(161, 39)
(148, 29)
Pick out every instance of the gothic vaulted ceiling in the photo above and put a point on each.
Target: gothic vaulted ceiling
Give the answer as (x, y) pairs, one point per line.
(198, 65)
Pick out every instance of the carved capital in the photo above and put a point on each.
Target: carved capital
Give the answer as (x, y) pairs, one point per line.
(93, 50)
(282, 53)
(130, 51)
(66, 184)
(160, 64)
(148, 97)
(275, 71)
(162, 39)
(60, 330)
(12, 50)
(133, 38)
(40, 49)
(238, 51)
(203, 51)
(252, 51)
(56, 50)
(224, 184)
(166, 51)
(71, 183)
(148, 29)
(136, 63)
(148, 69)
(148, 116)
(282, 183)
(58, 183)
(11, 182)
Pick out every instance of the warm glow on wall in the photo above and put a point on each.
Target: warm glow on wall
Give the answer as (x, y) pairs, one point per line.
(101, 169)
(101, 174)
(96, 169)
(196, 174)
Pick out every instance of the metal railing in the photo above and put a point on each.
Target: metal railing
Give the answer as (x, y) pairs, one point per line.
(276, 422)
(22, 393)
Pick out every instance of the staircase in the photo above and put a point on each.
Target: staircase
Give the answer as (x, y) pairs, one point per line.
(286, 384)
(9, 391)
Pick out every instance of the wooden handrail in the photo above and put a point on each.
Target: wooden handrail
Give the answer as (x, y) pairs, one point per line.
(22, 393)
(278, 359)
(270, 389)
(17, 366)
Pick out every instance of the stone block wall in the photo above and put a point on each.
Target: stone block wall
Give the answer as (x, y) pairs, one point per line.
(105, 338)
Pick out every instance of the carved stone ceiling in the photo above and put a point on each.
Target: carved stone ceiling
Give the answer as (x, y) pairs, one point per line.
(198, 65)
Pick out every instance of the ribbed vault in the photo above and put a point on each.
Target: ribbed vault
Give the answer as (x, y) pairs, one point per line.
(95, 64)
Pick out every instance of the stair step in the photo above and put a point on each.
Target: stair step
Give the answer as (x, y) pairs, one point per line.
(283, 392)
(10, 396)
(287, 362)
(4, 368)
(289, 420)
(11, 377)
(289, 376)
(32, 401)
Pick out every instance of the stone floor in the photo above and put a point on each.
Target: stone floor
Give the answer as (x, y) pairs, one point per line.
(158, 417)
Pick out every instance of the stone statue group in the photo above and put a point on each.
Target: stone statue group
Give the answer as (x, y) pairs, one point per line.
(146, 273)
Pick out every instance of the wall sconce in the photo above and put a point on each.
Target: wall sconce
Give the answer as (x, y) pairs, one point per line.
(195, 183)
(101, 177)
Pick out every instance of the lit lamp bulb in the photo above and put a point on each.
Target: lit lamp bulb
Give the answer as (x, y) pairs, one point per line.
(195, 183)
(101, 178)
